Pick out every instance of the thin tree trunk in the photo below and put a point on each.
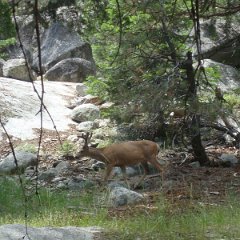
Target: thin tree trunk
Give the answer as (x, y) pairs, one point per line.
(198, 149)
(196, 142)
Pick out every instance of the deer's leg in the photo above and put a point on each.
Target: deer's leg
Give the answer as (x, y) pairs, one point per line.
(146, 171)
(107, 172)
(123, 169)
(157, 165)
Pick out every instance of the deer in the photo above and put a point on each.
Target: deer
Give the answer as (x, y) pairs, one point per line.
(123, 154)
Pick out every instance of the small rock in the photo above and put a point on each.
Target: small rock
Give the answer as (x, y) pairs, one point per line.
(81, 89)
(229, 159)
(85, 126)
(130, 171)
(115, 184)
(48, 175)
(58, 179)
(73, 138)
(98, 165)
(79, 184)
(89, 99)
(85, 112)
(120, 196)
(62, 166)
(106, 105)
(24, 159)
(61, 185)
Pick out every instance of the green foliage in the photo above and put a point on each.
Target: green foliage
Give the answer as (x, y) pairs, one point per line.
(133, 57)
(233, 100)
(135, 47)
(67, 149)
(213, 74)
(7, 29)
(97, 87)
(27, 148)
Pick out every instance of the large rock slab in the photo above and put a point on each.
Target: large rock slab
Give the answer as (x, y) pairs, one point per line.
(229, 77)
(220, 40)
(19, 105)
(58, 43)
(71, 70)
(17, 231)
(24, 159)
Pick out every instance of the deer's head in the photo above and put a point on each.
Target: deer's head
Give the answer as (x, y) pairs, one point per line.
(85, 149)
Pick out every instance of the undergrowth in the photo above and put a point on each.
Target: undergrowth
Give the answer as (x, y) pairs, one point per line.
(158, 220)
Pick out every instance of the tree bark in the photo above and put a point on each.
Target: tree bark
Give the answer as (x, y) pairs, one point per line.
(196, 142)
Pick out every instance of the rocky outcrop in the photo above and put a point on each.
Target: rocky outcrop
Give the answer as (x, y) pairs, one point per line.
(58, 43)
(64, 56)
(71, 70)
(228, 78)
(19, 105)
(220, 40)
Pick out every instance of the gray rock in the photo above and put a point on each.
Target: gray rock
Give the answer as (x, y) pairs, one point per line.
(2, 62)
(24, 159)
(85, 126)
(120, 196)
(16, 68)
(219, 41)
(62, 166)
(89, 99)
(76, 184)
(58, 43)
(61, 185)
(115, 184)
(58, 179)
(19, 103)
(98, 165)
(48, 175)
(130, 171)
(17, 231)
(228, 78)
(85, 112)
(71, 70)
(229, 159)
(81, 89)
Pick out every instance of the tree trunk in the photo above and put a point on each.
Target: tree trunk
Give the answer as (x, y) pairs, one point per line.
(198, 149)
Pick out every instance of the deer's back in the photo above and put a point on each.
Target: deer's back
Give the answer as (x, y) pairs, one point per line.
(130, 153)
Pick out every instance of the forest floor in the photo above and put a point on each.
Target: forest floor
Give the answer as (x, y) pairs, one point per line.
(180, 182)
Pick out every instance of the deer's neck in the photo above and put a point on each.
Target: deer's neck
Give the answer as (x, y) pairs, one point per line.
(97, 154)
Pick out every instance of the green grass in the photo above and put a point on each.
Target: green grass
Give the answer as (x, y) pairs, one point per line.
(186, 220)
